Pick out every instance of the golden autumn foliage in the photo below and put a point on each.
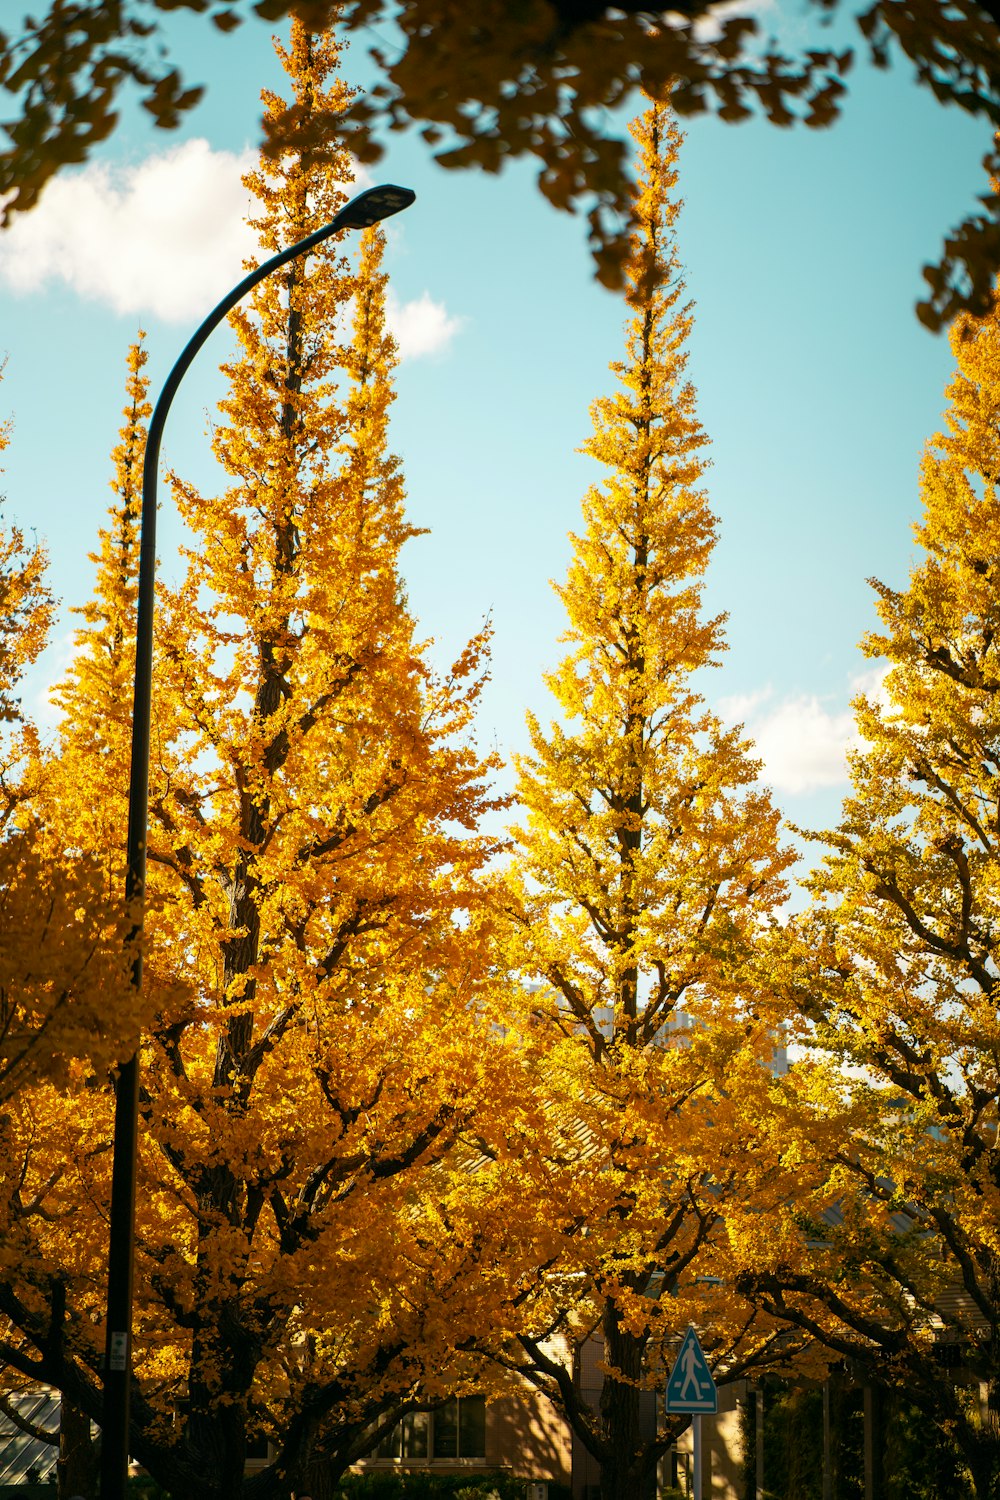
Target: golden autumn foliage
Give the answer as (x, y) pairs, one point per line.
(411, 1128)
(63, 966)
(95, 697)
(494, 81)
(647, 866)
(317, 957)
(25, 611)
(25, 616)
(897, 966)
(63, 963)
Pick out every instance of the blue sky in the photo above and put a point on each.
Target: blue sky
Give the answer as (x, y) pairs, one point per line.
(816, 384)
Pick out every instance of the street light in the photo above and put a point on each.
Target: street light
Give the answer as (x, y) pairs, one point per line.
(367, 208)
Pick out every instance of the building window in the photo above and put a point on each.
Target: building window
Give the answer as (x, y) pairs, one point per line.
(258, 1448)
(460, 1428)
(455, 1430)
(408, 1439)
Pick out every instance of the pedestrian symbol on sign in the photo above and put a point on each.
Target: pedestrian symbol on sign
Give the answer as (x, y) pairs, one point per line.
(691, 1387)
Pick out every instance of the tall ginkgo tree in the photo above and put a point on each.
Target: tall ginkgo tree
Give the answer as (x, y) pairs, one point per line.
(647, 864)
(317, 939)
(897, 966)
(61, 939)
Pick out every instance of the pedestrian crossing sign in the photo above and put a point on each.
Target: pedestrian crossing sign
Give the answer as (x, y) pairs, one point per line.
(691, 1387)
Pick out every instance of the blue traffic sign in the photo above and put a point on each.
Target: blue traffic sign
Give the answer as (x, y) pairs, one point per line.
(691, 1387)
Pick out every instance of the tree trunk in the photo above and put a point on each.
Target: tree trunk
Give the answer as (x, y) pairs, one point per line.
(76, 1466)
(216, 1430)
(624, 1473)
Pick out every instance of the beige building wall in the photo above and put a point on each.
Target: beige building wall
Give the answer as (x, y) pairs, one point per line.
(531, 1439)
(524, 1436)
(721, 1449)
(527, 1438)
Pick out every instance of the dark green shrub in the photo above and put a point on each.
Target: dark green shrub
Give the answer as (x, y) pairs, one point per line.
(142, 1487)
(417, 1485)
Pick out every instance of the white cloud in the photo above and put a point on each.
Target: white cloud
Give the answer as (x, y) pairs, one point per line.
(167, 237)
(164, 237)
(707, 28)
(51, 669)
(741, 708)
(422, 326)
(802, 743)
(872, 684)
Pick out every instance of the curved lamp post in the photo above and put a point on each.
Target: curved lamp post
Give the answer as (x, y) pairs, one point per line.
(366, 209)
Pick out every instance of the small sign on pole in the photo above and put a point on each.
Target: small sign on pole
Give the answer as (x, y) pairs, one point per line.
(691, 1388)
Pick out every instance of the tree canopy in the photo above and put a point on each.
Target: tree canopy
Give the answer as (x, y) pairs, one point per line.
(896, 970)
(487, 83)
(320, 1028)
(63, 961)
(410, 1118)
(646, 866)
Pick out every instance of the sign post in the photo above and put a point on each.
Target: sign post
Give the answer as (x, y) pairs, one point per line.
(691, 1389)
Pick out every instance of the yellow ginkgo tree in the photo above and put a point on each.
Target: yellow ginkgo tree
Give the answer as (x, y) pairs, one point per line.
(62, 963)
(896, 970)
(318, 959)
(647, 864)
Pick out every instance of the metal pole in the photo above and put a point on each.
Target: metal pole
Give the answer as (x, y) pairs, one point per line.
(873, 1440)
(696, 1432)
(367, 208)
(759, 1442)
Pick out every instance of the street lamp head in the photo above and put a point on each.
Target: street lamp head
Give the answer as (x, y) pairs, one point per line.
(374, 204)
